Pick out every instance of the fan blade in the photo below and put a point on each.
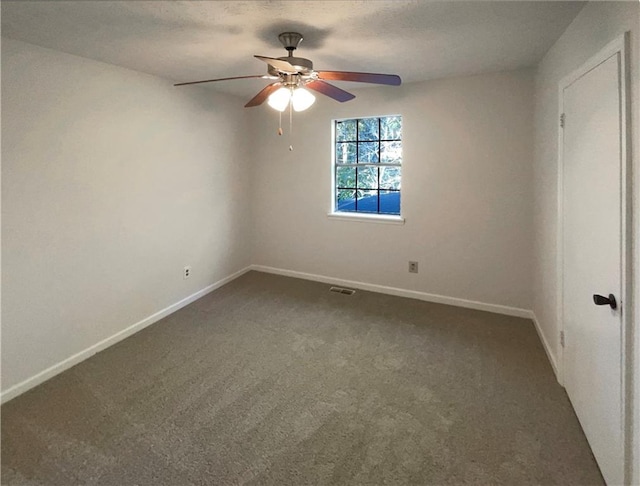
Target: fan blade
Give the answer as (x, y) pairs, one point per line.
(389, 79)
(330, 90)
(221, 79)
(262, 95)
(279, 64)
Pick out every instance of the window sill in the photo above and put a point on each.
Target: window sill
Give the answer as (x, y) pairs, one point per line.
(366, 218)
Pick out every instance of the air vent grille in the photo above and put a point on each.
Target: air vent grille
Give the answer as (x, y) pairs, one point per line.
(340, 290)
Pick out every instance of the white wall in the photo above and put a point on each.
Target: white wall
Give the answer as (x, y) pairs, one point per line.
(595, 26)
(112, 182)
(466, 191)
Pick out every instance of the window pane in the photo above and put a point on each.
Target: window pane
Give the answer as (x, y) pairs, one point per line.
(367, 177)
(390, 202)
(368, 201)
(391, 128)
(390, 177)
(391, 152)
(345, 200)
(346, 131)
(368, 152)
(346, 153)
(368, 129)
(346, 177)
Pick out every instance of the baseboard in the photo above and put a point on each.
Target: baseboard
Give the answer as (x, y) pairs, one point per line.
(412, 294)
(58, 368)
(547, 348)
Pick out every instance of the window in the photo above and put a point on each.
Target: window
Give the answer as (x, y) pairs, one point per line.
(368, 165)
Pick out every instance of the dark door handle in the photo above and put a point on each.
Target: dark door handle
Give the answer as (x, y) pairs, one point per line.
(601, 300)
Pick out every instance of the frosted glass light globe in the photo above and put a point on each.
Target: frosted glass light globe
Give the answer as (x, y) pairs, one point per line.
(279, 100)
(302, 99)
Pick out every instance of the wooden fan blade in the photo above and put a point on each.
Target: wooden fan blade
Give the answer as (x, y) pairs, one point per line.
(389, 79)
(279, 64)
(262, 95)
(220, 79)
(330, 90)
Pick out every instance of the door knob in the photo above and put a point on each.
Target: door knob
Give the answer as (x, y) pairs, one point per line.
(602, 300)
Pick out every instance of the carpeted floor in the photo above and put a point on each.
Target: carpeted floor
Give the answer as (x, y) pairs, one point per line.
(273, 380)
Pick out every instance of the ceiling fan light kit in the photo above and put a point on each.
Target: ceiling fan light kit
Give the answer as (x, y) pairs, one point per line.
(300, 98)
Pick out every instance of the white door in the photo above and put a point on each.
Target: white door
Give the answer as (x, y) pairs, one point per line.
(592, 207)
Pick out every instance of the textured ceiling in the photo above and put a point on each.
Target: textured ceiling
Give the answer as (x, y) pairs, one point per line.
(192, 40)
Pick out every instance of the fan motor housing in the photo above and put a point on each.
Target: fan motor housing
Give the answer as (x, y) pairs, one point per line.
(302, 65)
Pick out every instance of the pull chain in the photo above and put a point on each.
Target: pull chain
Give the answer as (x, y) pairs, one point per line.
(290, 127)
(280, 131)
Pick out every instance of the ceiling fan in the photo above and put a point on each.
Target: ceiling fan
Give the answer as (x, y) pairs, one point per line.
(291, 75)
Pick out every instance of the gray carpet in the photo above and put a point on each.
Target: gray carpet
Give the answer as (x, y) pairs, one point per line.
(273, 380)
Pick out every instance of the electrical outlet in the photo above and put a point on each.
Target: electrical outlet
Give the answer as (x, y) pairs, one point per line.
(413, 267)
(187, 272)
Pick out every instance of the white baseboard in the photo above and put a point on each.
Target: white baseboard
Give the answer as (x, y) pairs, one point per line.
(412, 294)
(547, 348)
(50, 372)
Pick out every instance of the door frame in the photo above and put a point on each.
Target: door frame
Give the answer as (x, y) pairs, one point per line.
(620, 46)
